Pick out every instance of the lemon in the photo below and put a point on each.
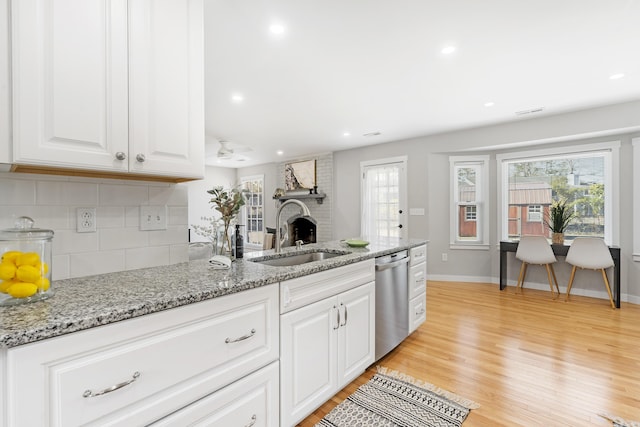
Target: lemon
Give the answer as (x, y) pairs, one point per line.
(11, 256)
(7, 270)
(5, 285)
(28, 258)
(42, 267)
(43, 284)
(22, 290)
(27, 273)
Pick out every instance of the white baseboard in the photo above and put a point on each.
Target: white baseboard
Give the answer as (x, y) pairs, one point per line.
(449, 278)
(531, 285)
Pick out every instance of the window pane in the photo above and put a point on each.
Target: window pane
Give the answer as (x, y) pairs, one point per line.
(535, 184)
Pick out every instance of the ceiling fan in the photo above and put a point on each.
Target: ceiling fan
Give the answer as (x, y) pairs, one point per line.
(225, 150)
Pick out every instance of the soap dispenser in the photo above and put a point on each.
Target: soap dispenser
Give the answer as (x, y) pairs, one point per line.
(239, 243)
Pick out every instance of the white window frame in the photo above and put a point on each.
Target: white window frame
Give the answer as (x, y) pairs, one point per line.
(245, 219)
(481, 164)
(538, 213)
(467, 212)
(611, 152)
(636, 198)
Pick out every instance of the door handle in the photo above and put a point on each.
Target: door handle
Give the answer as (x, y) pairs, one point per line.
(338, 319)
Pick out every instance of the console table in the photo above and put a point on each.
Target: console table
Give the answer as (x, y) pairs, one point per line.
(559, 250)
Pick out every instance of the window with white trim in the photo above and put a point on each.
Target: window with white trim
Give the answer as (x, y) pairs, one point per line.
(469, 197)
(534, 213)
(253, 210)
(582, 176)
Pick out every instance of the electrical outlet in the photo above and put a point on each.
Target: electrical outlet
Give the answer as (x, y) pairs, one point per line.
(86, 220)
(445, 258)
(153, 218)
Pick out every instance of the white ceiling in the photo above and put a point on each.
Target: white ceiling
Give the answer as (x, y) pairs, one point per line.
(362, 66)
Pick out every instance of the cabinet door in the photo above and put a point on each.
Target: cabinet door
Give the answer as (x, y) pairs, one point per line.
(70, 102)
(307, 359)
(356, 336)
(417, 311)
(166, 79)
(417, 279)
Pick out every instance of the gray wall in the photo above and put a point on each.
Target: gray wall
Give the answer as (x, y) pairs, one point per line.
(428, 188)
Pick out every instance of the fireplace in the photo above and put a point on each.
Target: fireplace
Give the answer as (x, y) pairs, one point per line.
(302, 228)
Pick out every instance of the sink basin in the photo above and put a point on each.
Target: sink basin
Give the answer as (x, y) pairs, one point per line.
(290, 260)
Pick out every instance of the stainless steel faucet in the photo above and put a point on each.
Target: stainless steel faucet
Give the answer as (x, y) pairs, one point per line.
(304, 210)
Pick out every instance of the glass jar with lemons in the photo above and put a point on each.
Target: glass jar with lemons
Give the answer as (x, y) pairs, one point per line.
(25, 263)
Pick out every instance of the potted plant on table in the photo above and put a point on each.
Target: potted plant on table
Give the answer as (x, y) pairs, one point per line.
(559, 217)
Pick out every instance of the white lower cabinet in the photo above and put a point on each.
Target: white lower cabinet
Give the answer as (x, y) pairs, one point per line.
(251, 401)
(417, 287)
(137, 371)
(417, 311)
(326, 344)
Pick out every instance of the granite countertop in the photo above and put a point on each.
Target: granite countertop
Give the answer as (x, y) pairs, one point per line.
(86, 302)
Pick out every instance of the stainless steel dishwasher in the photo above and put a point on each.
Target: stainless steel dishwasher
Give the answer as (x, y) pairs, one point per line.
(392, 301)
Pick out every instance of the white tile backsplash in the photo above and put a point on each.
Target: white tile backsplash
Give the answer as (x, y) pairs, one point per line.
(90, 263)
(70, 241)
(18, 192)
(66, 193)
(123, 195)
(118, 243)
(110, 217)
(147, 257)
(122, 238)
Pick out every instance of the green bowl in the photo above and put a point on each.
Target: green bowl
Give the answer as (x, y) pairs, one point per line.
(355, 243)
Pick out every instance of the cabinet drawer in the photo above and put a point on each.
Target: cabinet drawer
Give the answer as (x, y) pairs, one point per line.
(296, 293)
(251, 401)
(180, 354)
(418, 255)
(417, 279)
(417, 311)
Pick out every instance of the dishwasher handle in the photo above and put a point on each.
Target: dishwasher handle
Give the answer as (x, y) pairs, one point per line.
(382, 267)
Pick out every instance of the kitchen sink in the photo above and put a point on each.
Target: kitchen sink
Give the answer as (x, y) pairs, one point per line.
(294, 259)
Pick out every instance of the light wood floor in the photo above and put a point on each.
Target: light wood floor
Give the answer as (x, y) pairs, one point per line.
(526, 359)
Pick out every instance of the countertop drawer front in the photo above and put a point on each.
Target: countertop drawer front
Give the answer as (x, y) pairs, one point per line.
(250, 401)
(417, 311)
(296, 293)
(178, 362)
(418, 255)
(417, 280)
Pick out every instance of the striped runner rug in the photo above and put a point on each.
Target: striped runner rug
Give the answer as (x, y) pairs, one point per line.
(395, 399)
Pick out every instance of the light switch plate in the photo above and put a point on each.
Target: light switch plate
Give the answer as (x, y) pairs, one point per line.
(153, 218)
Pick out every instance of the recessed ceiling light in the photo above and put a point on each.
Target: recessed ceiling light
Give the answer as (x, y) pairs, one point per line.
(277, 29)
(489, 104)
(448, 50)
(279, 152)
(237, 97)
(616, 76)
(346, 134)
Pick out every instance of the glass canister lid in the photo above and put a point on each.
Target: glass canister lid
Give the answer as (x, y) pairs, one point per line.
(24, 230)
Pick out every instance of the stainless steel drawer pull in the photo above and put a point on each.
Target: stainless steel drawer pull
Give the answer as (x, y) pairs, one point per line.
(253, 421)
(345, 314)
(242, 338)
(89, 393)
(338, 318)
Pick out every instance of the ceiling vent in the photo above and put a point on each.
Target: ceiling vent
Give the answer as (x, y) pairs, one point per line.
(372, 134)
(529, 111)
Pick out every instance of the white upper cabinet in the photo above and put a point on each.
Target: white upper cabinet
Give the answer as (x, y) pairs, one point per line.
(109, 85)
